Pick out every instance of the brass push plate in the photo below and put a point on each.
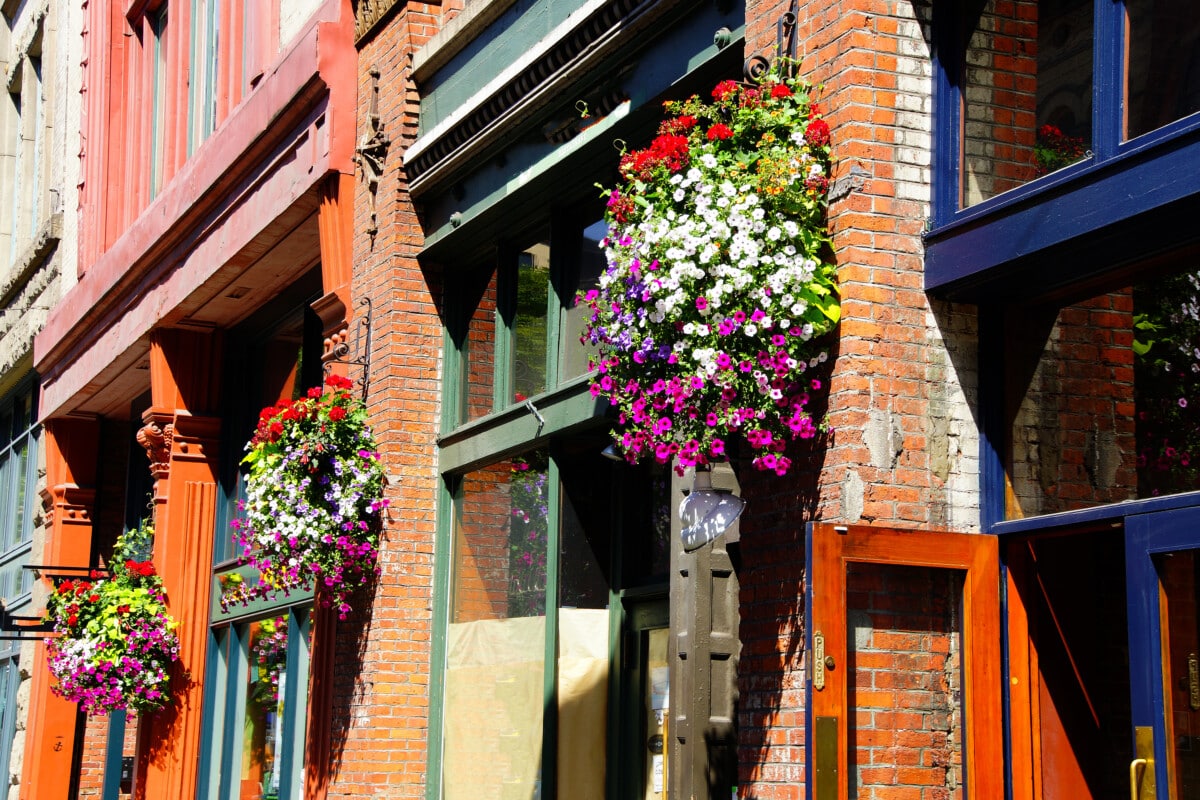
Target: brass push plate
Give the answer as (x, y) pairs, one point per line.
(1145, 786)
(827, 758)
(818, 661)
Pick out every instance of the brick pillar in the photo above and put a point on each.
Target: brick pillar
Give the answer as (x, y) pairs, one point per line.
(180, 437)
(69, 499)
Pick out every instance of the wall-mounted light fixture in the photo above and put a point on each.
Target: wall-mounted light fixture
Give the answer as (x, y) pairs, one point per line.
(706, 512)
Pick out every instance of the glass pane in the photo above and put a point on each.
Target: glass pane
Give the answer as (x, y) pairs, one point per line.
(1180, 576)
(583, 621)
(496, 638)
(20, 470)
(591, 261)
(656, 697)
(905, 680)
(1106, 397)
(645, 494)
(262, 721)
(1027, 96)
(479, 349)
(530, 328)
(1163, 72)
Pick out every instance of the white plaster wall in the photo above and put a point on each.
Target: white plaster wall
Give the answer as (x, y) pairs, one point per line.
(292, 16)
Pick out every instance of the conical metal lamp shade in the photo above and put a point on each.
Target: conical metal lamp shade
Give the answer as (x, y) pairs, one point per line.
(706, 513)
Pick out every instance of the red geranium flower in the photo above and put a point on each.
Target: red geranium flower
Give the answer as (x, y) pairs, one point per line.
(781, 90)
(817, 133)
(719, 131)
(336, 413)
(724, 89)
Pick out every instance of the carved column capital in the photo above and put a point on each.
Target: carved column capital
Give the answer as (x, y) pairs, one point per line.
(157, 437)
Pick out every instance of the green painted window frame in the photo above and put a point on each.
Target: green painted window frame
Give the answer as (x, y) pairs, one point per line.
(18, 489)
(226, 700)
(563, 230)
(633, 603)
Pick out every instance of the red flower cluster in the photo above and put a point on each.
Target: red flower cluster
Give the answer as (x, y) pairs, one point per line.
(143, 568)
(677, 125)
(719, 131)
(620, 207)
(669, 150)
(781, 90)
(272, 419)
(338, 382)
(724, 89)
(817, 133)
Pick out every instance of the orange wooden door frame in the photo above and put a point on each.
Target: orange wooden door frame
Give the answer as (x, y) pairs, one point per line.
(832, 549)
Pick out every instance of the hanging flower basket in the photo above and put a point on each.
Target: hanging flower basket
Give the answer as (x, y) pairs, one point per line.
(314, 493)
(116, 641)
(719, 286)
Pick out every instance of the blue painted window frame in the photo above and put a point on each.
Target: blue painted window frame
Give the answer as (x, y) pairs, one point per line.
(1006, 241)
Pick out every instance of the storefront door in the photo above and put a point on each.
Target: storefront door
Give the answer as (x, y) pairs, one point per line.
(904, 663)
(1163, 588)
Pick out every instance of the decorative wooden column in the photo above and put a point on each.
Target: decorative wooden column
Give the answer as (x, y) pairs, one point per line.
(69, 499)
(180, 437)
(336, 221)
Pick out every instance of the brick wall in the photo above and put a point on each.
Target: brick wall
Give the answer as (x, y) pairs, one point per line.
(902, 448)
(382, 692)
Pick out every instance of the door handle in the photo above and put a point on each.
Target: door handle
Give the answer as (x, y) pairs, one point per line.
(1134, 778)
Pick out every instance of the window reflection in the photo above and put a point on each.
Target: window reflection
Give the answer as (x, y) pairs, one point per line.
(479, 349)
(262, 723)
(496, 639)
(592, 261)
(1106, 397)
(1163, 72)
(530, 328)
(1027, 94)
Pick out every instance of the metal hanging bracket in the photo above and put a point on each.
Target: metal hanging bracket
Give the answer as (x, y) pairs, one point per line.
(340, 348)
(785, 47)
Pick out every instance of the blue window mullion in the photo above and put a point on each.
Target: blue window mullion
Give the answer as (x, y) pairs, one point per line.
(947, 104)
(1108, 85)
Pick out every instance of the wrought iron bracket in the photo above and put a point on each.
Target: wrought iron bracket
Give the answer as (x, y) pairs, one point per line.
(340, 352)
(30, 628)
(756, 67)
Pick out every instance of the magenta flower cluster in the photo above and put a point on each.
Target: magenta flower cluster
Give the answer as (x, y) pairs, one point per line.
(709, 316)
(115, 641)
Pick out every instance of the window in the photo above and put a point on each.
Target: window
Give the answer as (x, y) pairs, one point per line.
(256, 700)
(205, 55)
(20, 458)
(1030, 74)
(28, 126)
(1106, 393)
(158, 98)
(20, 454)
(1055, 120)
(537, 586)
(521, 326)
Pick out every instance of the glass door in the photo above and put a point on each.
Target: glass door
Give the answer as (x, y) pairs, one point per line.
(1163, 564)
